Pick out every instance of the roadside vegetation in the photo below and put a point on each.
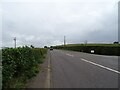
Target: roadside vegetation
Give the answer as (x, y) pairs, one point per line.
(0, 69)
(20, 64)
(102, 49)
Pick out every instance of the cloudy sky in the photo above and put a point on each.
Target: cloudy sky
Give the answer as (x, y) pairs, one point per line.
(46, 22)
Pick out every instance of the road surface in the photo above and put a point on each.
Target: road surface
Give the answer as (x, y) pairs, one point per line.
(81, 70)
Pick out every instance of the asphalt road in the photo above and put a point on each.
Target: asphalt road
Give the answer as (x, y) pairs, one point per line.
(81, 70)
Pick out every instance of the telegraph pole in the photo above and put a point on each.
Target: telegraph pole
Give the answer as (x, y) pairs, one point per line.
(15, 41)
(64, 40)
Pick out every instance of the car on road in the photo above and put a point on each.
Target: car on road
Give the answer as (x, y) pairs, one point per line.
(51, 48)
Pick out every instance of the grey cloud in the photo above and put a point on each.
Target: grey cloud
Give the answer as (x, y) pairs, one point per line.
(46, 23)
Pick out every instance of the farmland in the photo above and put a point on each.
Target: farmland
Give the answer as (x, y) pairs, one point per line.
(20, 64)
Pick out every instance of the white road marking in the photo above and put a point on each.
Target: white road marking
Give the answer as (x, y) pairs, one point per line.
(70, 55)
(116, 57)
(101, 66)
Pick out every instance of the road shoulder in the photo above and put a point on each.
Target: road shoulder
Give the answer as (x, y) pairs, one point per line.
(40, 81)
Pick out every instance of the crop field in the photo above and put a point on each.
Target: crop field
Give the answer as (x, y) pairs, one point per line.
(103, 49)
(20, 64)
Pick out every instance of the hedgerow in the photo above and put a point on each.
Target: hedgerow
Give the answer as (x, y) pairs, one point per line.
(21, 62)
(102, 49)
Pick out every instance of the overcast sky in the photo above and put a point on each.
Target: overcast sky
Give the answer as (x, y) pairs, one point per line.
(46, 22)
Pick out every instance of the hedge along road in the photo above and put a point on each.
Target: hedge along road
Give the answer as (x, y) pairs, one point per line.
(81, 70)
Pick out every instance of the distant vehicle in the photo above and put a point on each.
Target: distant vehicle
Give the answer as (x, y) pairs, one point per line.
(51, 48)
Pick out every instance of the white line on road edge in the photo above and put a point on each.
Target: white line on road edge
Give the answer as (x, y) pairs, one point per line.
(101, 66)
(70, 55)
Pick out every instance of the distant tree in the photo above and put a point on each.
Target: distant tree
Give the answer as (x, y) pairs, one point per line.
(51, 46)
(116, 42)
(45, 46)
(32, 46)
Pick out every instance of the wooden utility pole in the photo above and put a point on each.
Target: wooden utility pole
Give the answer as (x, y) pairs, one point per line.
(64, 40)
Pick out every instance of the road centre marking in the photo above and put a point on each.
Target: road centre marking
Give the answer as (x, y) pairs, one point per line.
(101, 66)
(70, 55)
